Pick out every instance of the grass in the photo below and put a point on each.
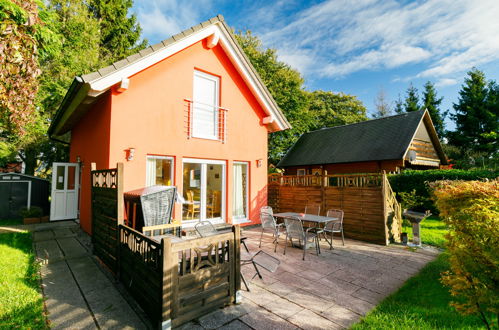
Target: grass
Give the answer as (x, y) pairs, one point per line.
(21, 302)
(432, 231)
(10, 222)
(422, 303)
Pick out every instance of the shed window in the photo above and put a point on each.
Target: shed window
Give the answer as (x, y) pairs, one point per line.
(301, 171)
(205, 106)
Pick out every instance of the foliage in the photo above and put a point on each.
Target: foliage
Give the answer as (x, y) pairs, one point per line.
(410, 180)
(21, 302)
(412, 99)
(471, 210)
(411, 200)
(382, 106)
(433, 231)
(31, 212)
(464, 158)
(304, 110)
(421, 303)
(432, 103)
(119, 31)
(399, 106)
(21, 30)
(328, 109)
(476, 115)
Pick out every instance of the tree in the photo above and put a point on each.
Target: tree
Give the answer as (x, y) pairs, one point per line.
(432, 103)
(25, 40)
(119, 31)
(412, 99)
(476, 115)
(286, 86)
(328, 109)
(382, 106)
(399, 106)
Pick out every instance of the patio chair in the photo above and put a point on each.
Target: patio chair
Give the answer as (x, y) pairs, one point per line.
(267, 209)
(294, 229)
(269, 223)
(206, 228)
(333, 227)
(313, 209)
(261, 259)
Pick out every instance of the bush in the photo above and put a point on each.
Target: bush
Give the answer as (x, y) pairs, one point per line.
(471, 210)
(32, 212)
(410, 180)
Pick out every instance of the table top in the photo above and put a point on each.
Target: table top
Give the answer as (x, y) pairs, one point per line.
(306, 217)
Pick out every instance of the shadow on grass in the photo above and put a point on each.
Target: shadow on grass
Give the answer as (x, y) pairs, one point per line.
(422, 303)
(22, 307)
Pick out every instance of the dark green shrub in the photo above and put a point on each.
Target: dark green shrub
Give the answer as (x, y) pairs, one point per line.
(410, 180)
(32, 212)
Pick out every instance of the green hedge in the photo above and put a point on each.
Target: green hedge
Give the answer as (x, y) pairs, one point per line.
(410, 180)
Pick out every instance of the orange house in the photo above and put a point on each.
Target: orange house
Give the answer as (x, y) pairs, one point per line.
(190, 111)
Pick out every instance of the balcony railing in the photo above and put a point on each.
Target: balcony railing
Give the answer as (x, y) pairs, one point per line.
(424, 149)
(220, 124)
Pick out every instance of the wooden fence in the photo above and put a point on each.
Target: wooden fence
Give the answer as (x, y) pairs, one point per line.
(175, 280)
(371, 211)
(178, 280)
(107, 213)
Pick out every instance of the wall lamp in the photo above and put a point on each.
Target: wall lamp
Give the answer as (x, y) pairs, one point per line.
(259, 162)
(130, 154)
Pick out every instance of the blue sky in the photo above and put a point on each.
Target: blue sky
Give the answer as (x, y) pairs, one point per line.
(356, 47)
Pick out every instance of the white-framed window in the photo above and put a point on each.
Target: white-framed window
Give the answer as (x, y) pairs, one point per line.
(159, 171)
(240, 198)
(206, 89)
(301, 171)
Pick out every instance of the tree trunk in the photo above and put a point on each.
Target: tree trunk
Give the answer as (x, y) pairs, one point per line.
(30, 160)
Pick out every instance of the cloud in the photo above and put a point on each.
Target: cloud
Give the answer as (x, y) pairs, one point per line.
(446, 82)
(161, 19)
(336, 38)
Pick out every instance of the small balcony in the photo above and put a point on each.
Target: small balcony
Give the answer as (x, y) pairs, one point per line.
(205, 121)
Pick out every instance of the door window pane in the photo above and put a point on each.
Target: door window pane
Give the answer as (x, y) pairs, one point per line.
(240, 191)
(159, 171)
(192, 191)
(60, 175)
(71, 177)
(214, 181)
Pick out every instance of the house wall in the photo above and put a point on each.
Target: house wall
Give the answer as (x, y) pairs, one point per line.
(358, 167)
(90, 140)
(150, 117)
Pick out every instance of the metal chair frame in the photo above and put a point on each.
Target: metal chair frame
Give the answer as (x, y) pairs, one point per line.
(333, 227)
(269, 223)
(294, 229)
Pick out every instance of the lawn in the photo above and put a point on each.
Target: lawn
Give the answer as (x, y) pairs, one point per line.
(422, 303)
(10, 222)
(432, 231)
(21, 303)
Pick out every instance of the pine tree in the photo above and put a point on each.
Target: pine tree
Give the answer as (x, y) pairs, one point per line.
(399, 106)
(412, 99)
(382, 105)
(476, 115)
(120, 32)
(432, 103)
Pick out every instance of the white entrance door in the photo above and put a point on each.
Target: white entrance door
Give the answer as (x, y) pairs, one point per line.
(65, 187)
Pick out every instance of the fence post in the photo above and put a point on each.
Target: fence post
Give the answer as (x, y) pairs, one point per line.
(237, 263)
(119, 191)
(93, 167)
(166, 292)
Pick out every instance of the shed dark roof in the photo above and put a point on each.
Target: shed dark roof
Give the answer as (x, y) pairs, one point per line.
(378, 139)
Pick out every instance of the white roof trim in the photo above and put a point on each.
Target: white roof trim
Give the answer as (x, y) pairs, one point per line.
(100, 85)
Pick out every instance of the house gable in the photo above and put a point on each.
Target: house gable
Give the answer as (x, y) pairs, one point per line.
(215, 32)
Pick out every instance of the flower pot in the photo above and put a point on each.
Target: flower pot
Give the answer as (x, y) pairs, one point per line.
(30, 221)
(44, 219)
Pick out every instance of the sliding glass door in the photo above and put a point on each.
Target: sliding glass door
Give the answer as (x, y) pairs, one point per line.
(203, 190)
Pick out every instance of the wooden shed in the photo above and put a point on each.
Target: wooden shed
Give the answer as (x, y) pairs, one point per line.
(21, 190)
(388, 144)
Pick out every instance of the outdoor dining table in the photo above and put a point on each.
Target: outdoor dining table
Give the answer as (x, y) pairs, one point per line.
(318, 219)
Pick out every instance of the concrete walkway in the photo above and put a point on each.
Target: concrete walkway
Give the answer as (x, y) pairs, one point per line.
(78, 294)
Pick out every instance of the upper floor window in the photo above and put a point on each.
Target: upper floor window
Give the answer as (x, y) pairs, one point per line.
(205, 107)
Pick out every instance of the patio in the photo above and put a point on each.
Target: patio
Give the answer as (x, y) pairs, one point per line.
(329, 291)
